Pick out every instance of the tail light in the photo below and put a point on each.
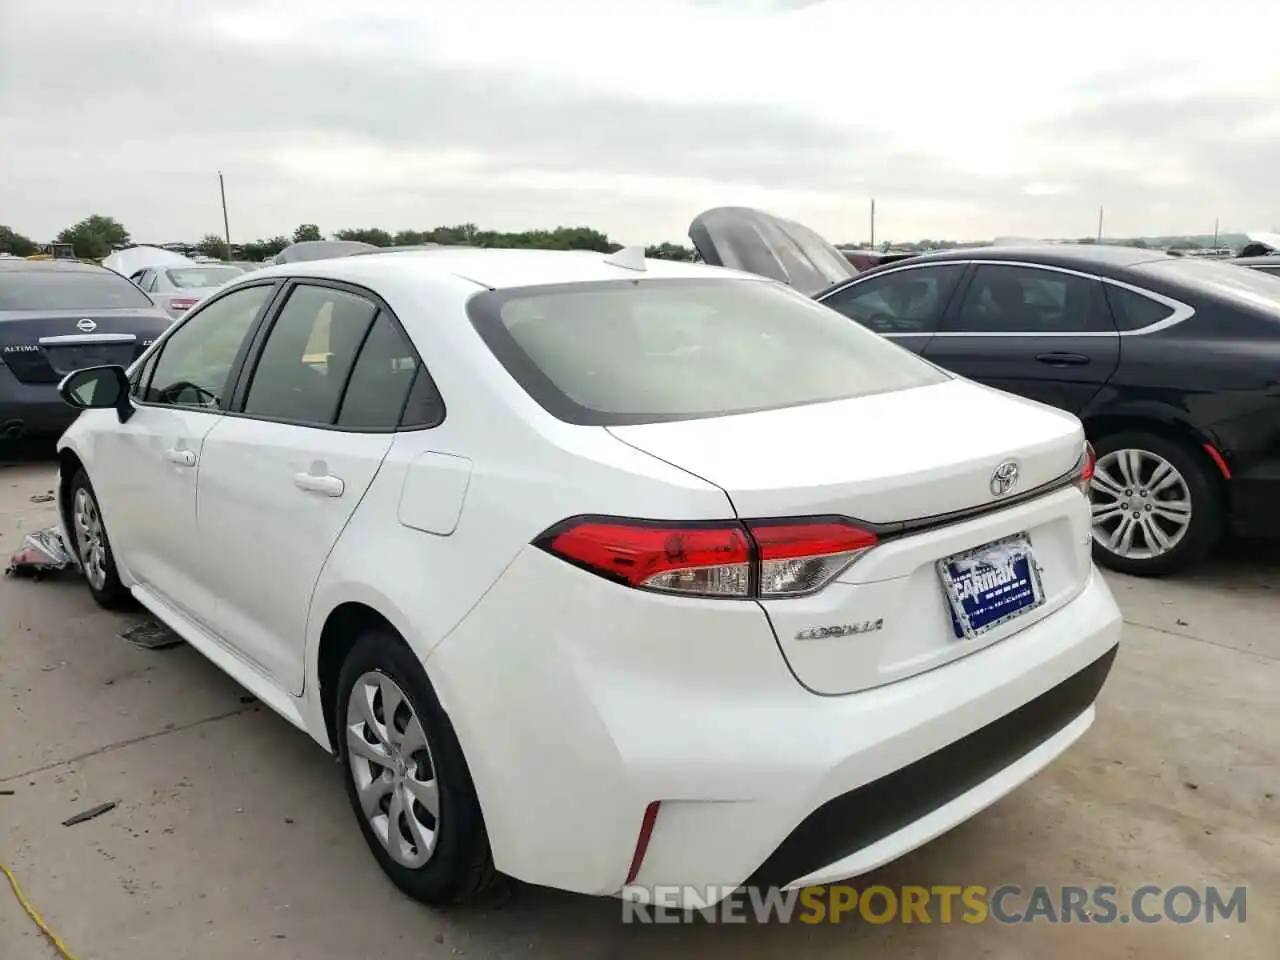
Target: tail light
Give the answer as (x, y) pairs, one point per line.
(1084, 476)
(728, 559)
(183, 303)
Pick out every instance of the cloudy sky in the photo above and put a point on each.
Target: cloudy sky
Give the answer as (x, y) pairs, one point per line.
(964, 120)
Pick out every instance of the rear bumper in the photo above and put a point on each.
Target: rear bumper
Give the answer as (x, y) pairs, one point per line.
(578, 703)
(1255, 501)
(35, 407)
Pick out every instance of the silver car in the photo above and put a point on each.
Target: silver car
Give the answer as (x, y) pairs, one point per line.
(176, 289)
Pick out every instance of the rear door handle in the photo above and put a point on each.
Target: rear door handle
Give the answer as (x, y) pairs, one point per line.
(1063, 359)
(183, 458)
(326, 485)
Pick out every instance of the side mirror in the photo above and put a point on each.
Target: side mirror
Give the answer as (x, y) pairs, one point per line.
(98, 388)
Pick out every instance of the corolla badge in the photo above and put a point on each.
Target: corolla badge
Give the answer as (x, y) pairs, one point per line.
(840, 630)
(1004, 478)
(86, 325)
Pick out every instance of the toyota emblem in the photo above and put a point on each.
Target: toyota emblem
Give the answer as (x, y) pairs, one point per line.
(86, 325)
(1004, 478)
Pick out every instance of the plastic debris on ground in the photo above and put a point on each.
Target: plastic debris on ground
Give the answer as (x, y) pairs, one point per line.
(42, 554)
(151, 635)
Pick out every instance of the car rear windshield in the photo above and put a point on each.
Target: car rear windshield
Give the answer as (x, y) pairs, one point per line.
(184, 277)
(1250, 287)
(648, 351)
(68, 290)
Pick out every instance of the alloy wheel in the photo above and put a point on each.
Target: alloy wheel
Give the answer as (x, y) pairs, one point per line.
(90, 539)
(393, 770)
(1141, 504)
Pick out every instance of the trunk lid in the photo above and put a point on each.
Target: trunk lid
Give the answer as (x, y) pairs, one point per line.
(44, 346)
(892, 461)
(757, 242)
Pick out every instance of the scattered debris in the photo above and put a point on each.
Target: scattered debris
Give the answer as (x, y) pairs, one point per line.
(6, 793)
(1191, 786)
(89, 814)
(42, 553)
(1182, 623)
(42, 497)
(151, 635)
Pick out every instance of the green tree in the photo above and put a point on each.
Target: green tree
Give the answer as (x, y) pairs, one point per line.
(212, 245)
(1138, 242)
(409, 238)
(95, 236)
(374, 235)
(669, 251)
(11, 241)
(307, 231)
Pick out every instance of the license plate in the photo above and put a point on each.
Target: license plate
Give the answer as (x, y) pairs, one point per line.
(70, 359)
(991, 585)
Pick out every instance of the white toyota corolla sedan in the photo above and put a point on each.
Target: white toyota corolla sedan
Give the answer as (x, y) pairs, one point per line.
(597, 571)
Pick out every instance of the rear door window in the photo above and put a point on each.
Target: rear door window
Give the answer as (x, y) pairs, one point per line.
(1028, 300)
(646, 351)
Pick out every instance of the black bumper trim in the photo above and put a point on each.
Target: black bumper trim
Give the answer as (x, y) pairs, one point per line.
(854, 820)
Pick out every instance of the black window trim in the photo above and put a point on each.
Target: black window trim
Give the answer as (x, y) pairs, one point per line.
(961, 285)
(247, 364)
(162, 341)
(1181, 311)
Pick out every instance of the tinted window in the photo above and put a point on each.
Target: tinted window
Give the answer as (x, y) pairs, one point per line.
(187, 277)
(654, 350)
(380, 381)
(1025, 300)
(197, 357)
(308, 355)
(56, 289)
(1133, 311)
(905, 301)
(1274, 271)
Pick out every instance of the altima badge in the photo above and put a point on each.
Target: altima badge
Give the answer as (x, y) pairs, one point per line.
(840, 630)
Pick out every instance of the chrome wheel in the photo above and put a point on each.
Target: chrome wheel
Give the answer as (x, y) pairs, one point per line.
(90, 539)
(393, 770)
(1141, 504)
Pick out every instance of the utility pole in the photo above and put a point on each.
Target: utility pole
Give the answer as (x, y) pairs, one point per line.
(873, 224)
(1215, 233)
(1099, 224)
(226, 224)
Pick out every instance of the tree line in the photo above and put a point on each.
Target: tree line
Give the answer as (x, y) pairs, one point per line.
(96, 236)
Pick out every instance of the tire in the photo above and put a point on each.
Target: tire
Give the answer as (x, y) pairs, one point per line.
(88, 534)
(459, 864)
(1196, 488)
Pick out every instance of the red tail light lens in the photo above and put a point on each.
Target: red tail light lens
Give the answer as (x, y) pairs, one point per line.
(801, 556)
(1087, 461)
(763, 558)
(711, 560)
(183, 303)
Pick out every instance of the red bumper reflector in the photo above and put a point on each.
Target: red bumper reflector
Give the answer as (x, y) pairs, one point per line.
(1212, 451)
(642, 841)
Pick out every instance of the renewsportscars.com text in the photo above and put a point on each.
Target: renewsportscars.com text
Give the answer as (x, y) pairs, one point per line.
(1006, 904)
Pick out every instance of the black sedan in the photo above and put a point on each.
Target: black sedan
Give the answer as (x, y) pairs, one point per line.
(1173, 364)
(57, 316)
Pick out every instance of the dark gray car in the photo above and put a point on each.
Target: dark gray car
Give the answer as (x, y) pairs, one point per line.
(57, 316)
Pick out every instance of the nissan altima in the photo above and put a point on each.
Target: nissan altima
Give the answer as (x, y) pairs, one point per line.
(601, 572)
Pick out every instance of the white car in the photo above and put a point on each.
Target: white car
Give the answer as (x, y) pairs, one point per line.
(599, 572)
(176, 289)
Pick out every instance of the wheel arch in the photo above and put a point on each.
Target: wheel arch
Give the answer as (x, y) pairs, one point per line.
(69, 463)
(1162, 423)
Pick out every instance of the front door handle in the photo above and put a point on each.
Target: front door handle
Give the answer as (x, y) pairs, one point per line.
(183, 458)
(1063, 359)
(327, 485)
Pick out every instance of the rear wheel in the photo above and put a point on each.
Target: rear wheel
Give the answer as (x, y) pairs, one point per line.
(406, 778)
(1157, 506)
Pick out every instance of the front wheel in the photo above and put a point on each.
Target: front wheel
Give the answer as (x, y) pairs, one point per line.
(89, 540)
(1157, 506)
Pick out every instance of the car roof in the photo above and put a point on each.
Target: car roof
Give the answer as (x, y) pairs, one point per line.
(51, 266)
(1067, 255)
(493, 268)
(1270, 260)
